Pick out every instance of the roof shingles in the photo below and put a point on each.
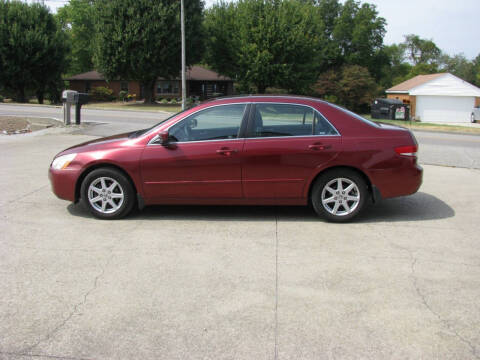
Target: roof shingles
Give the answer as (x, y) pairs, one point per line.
(406, 86)
(193, 73)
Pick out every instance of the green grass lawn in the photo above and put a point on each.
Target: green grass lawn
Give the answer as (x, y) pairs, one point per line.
(414, 125)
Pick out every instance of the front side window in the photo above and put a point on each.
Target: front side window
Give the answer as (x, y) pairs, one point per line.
(272, 120)
(216, 123)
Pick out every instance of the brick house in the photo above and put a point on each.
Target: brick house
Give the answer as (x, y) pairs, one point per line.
(437, 97)
(201, 82)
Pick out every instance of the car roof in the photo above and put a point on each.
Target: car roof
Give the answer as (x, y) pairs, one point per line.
(269, 98)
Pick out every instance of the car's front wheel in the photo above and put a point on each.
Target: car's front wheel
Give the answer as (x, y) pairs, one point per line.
(107, 193)
(339, 195)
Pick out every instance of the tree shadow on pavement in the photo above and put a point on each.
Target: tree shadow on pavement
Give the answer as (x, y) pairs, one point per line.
(418, 207)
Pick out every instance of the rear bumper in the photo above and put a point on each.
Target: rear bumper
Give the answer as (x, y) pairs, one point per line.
(63, 183)
(396, 182)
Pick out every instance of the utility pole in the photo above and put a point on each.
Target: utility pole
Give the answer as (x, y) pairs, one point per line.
(184, 80)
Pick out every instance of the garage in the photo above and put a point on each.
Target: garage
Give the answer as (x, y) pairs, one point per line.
(444, 108)
(437, 98)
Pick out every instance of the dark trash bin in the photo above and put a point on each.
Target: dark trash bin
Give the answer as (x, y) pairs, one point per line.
(391, 109)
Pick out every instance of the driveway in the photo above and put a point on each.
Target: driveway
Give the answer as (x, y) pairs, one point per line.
(403, 282)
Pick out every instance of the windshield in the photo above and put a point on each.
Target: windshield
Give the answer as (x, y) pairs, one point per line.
(144, 131)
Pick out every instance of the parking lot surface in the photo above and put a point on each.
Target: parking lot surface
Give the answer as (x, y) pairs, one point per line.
(401, 282)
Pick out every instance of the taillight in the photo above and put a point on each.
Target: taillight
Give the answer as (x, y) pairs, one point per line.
(407, 150)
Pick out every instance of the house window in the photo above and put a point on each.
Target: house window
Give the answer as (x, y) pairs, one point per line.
(124, 86)
(167, 87)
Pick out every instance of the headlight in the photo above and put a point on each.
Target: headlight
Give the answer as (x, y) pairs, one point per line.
(63, 161)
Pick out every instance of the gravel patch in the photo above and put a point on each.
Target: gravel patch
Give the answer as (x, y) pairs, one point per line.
(10, 125)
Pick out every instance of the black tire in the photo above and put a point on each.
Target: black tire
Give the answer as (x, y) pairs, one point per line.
(118, 202)
(348, 204)
(472, 118)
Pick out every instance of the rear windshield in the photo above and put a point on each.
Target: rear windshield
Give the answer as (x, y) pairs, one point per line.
(356, 116)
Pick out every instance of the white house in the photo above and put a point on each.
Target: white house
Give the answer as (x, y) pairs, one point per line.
(437, 97)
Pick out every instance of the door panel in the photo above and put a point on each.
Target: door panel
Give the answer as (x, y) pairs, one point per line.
(280, 167)
(202, 160)
(286, 144)
(193, 170)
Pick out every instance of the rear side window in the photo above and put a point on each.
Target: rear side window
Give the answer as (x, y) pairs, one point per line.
(273, 120)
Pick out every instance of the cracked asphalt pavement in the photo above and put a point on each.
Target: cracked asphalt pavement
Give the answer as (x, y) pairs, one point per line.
(402, 282)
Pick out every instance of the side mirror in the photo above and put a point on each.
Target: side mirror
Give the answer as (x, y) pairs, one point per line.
(164, 137)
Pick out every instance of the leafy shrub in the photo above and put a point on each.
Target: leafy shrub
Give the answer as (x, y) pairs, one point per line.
(122, 95)
(173, 102)
(1, 98)
(101, 93)
(164, 101)
(331, 98)
(158, 98)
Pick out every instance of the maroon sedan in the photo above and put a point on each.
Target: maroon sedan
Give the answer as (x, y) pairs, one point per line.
(251, 150)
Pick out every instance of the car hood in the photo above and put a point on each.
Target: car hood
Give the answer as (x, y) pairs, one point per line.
(101, 143)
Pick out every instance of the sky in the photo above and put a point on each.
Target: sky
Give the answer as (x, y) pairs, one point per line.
(453, 25)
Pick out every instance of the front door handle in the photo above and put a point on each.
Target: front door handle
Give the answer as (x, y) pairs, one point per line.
(226, 151)
(319, 147)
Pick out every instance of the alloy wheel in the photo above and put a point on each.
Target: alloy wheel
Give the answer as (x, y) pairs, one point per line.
(105, 195)
(340, 196)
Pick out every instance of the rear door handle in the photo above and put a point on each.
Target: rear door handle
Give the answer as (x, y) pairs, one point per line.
(226, 151)
(319, 147)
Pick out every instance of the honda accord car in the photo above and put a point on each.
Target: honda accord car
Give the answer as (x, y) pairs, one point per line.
(249, 150)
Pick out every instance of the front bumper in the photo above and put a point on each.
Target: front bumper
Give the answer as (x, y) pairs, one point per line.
(63, 183)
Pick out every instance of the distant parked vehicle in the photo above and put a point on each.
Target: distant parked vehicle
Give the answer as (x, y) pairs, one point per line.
(475, 114)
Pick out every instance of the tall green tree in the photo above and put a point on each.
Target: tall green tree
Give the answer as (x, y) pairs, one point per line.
(327, 13)
(359, 32)
(77, 19)
(140, 39)
(476, 67)
(351, 86)
(32, 50)
(396, 67)
(415, 56)
(458, 65)
(265, 43)
(421, 51)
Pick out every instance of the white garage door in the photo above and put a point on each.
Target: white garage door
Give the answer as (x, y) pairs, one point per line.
(444, 108)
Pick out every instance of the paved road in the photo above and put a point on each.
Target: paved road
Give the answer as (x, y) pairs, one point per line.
(402, 282)
(100, 122)
(449, 149)
(435, 148)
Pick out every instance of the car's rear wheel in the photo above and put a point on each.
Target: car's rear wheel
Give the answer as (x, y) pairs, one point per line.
(339, 195)
(107, 194)
(472, 117)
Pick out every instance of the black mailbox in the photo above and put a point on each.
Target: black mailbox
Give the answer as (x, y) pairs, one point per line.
(80, 99)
